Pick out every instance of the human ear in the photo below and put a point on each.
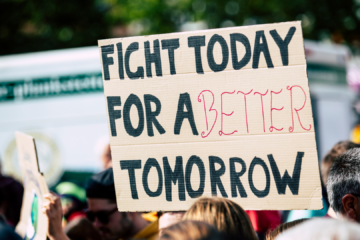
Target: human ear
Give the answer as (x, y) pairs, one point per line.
(349, 201)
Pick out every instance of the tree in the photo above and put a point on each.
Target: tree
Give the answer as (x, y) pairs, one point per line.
(37, 25)
(34, 25)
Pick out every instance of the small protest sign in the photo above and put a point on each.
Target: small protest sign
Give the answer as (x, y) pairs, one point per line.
(33, 222)
(222, 112)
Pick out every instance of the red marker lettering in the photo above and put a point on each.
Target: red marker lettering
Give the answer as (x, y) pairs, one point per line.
(262, 106)
(247, 125)
(222, 113)
(277, 109)
(291, 129)
(203, 135)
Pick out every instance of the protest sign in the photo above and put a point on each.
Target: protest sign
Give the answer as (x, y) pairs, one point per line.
(222, 112)
(33, 222)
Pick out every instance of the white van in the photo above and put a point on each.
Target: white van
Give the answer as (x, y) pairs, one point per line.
(57, 97)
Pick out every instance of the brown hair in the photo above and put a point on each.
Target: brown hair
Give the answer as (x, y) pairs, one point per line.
(190, 230)
(227, 216)
(329, 158)
(273, 234)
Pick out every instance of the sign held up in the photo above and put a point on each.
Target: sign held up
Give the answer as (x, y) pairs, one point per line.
(223, 112)
(33, 222)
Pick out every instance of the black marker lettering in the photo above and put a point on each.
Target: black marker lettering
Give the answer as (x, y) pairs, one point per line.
(113, 114)
(153, 58)
(121, 60)
(216, 174)
(151, 162)
(107, 61)
(151, 116)
(210, 53)
(195, 160)
(235, 177)
(140, 70)
(259, 193)
(282, 182)
(133, 100)
(171, 45)
(197, 42)
(238, 37)
(283, 44)
(184, 101)
(174, 176)
(131, 165)
(261, 47)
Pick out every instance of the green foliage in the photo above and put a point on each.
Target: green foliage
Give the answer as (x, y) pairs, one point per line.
(34, 25)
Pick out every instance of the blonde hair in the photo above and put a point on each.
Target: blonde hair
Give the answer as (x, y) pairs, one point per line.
(190, 230)
(273, 234)
(227, 216)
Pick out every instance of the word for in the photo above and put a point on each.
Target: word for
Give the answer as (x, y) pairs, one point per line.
(184, 102)
(177, 176)
(196, 42)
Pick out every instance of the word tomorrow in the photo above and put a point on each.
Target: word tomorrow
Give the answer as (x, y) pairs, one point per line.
(183, 180)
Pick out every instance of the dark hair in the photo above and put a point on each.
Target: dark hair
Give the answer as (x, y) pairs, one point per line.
(274, 233)
(11, 196)
(344, 178)
(101, 185)
(328, 160)
(191, 230)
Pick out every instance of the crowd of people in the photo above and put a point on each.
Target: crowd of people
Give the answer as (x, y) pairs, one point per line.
(75, 213)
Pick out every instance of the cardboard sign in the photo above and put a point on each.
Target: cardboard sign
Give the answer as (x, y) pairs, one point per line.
(223, 112)
(33, 222)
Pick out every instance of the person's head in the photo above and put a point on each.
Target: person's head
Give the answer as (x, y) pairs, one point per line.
(102, 209)
(224, 214)
(323, 228)
(81, 229)
(106, 157)
(191, 230)
(283, 227)
(11, 196)
(328, 160)
(343, 185)
(72, 197)
(167, 219)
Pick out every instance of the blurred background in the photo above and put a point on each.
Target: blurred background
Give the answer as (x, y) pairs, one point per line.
(51, 83)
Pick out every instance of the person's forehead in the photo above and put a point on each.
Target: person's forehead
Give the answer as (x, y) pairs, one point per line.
(96, 204)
